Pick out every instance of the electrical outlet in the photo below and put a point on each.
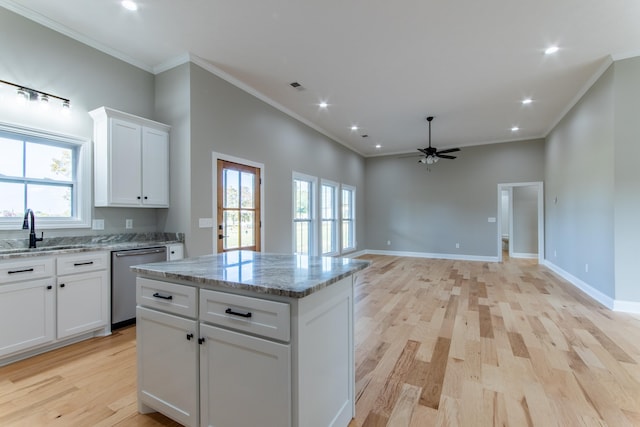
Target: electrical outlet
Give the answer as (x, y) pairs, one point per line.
(555, 253)
(128, 223)
(586, 268)
(98, 224)
(457, 245)
(388, 242)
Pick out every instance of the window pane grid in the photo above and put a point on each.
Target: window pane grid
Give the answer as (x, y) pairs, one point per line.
(39, 174)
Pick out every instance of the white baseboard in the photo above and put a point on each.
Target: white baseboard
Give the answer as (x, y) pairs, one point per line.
(457, 257)
(523, 255)
(603, 299)
(626, 306)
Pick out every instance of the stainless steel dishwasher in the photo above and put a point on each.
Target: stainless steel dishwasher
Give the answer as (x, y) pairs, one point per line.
(123, 281)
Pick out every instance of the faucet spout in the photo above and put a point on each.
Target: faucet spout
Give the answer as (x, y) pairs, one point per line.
(29, 215)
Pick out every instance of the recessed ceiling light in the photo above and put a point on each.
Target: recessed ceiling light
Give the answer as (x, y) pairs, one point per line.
(378, 146)
(527, 101)
(551, 50)
(354, 127)
(515, 129)
(129, 5)
(323, 105)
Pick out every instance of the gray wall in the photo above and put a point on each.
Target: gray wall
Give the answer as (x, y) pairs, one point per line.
(627, 178)
(37, 57)
(173, 106)
(429, 212)
(525, 220)
(579, 178)
(227, 120)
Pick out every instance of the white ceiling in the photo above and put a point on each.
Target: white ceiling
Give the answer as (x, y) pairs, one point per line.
(382, 65)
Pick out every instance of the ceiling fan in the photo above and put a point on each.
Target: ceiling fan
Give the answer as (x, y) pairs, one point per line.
(431, 154)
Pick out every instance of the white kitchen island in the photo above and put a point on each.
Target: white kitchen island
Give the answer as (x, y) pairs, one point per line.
(247, 339)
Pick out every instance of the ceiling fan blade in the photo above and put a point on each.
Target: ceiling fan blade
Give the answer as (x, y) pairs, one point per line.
(444, 156)
(423, 150)
(449, 150)
(404, 156)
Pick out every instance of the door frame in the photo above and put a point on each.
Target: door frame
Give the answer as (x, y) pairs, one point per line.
(214, 205)
(509, 187)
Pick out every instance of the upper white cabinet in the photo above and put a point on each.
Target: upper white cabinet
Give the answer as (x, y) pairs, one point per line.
(131, 160)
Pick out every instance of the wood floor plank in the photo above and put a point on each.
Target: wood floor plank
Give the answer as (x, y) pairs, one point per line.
(438, 343)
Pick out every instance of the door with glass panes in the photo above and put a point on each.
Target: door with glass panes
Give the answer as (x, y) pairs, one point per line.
(238, 207)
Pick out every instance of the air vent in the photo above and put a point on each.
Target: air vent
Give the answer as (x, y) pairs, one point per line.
(296, 86)
(365, 136)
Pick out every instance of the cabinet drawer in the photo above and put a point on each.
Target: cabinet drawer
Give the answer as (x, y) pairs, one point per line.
(168, 297)
(257, 316)
(30, 268)
(82, 263)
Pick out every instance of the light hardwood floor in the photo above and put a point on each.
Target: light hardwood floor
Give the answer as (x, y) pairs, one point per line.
(438, 343)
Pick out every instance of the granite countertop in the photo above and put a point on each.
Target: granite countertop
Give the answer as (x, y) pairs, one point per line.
(293, 276)
(15, 249)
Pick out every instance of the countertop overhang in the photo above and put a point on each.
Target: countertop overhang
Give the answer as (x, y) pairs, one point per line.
(294, 276)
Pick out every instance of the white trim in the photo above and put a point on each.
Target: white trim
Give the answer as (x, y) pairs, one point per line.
(56, 26)
(522, 255)
(215, 156)
(353, 254)
(626, 306)
(336, 216)
(594, 293)
(313, 243)
(83, 180)
(509, 186)
(457, 257)
(354, 218)
(626, 55)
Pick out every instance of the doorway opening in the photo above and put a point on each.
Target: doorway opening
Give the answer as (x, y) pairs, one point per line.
(521, 232)
(237, 203)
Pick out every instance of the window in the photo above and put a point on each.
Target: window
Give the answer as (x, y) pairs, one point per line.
(348, 201)
(42, 172)
(303, 214)
(329, 218)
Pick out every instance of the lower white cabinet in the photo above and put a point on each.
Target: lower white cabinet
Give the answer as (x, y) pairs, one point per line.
(245, 380)
(245, 361)
(27, 315)
(167, 347)
(40, 310)
(83, 301)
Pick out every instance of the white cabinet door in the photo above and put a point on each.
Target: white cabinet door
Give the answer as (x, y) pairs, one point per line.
(26, 315)
(167, 347)
(125, 163)
(155, 167)
(244, 380)
(83, 303)
(131, 160)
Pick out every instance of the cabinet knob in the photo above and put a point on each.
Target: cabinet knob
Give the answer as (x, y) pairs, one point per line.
(200, 341)
(145, 197)
(189, 337)
(62, 285)
(49, 287)
(138, 197)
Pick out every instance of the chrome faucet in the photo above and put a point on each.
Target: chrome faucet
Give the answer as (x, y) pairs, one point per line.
(32, 234)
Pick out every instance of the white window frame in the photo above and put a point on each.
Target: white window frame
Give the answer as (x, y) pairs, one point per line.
(313, 223)
(81, 182)
(353, 243)
(335, 217)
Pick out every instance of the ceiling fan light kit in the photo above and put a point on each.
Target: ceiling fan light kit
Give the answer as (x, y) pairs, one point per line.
(432, 154)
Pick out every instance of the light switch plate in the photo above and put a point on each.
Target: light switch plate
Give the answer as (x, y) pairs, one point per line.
(205, 222)
(98, 224)
(128, 223)
(491, 219)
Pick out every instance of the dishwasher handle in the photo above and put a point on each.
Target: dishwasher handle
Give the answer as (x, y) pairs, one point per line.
(140, 252)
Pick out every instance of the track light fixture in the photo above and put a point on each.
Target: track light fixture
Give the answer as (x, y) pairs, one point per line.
(25, 94)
